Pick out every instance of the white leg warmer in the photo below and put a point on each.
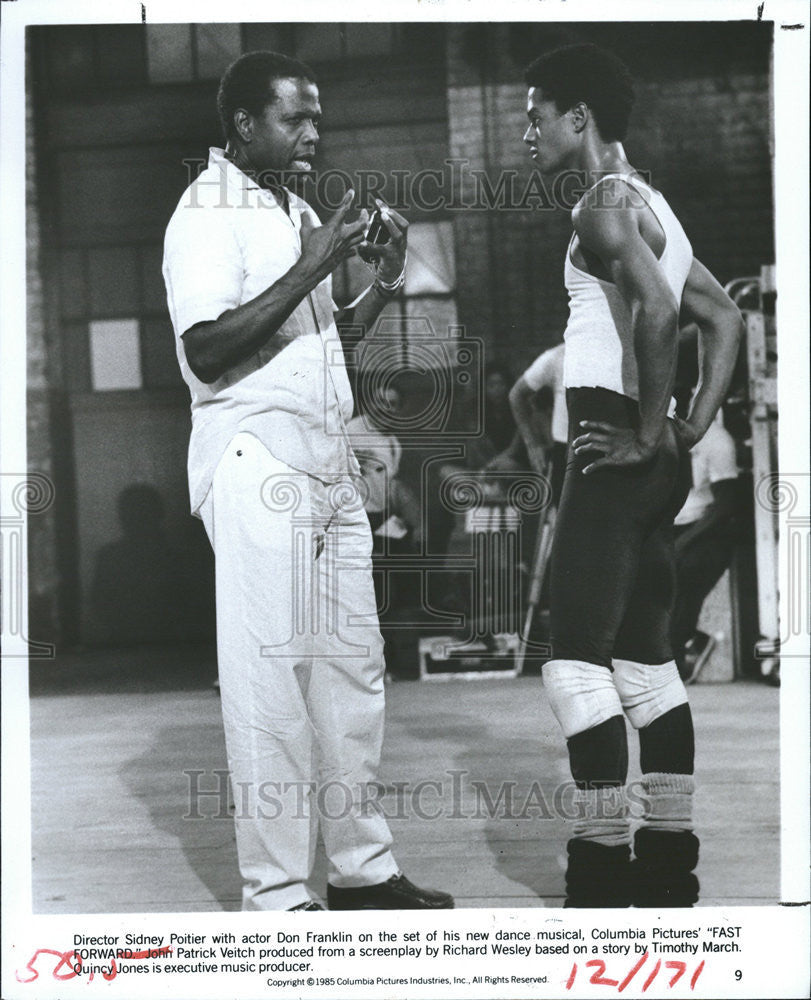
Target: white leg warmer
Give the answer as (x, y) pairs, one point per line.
(666, 801)
(646, 691)
(602, 816)
(582, 695)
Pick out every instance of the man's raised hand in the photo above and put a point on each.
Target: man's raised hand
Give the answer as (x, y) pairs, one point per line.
(323, 248)
(389, 257)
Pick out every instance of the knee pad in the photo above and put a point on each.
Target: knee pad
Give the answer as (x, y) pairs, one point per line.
(648, 691)
(582, 695)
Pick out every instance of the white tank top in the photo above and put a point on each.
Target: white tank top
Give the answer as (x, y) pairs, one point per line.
(599, 339)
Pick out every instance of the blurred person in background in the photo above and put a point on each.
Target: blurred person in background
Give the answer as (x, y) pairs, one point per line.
(391, 506)
(493, 459)
(538, 402)
(138, 593)
(394, 514)
(499, 448)
(708, 525)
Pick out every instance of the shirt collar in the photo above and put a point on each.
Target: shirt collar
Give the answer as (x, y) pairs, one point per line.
(239, 182)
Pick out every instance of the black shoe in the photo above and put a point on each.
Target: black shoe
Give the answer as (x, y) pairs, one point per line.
(395, 894)
(662, 872)
(597, 875)
(307, 907)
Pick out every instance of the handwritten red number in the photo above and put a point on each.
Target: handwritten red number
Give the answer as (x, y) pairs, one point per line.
(597, 977)
(632, 973)
(652, 976)
(680, 967)
(64, 959)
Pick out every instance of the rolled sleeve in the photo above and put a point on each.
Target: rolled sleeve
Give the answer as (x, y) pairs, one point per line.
(202, 266)
(537, 375)
(545, 370)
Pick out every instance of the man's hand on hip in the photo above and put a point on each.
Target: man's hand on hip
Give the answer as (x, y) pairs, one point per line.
(618, 445)
(688, 432)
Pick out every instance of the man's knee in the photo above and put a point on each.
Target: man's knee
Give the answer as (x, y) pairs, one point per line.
(648, 691)
(582, 695)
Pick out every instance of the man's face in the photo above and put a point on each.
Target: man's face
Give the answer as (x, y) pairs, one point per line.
(550, 136)
(285, 134)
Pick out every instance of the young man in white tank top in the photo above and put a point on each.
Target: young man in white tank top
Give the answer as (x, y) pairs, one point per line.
(632, 279)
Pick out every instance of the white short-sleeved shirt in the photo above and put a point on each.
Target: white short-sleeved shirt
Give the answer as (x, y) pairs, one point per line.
(713, 459)
(226, 243)
(547, 370)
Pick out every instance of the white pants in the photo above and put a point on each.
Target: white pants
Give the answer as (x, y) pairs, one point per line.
(301, 674)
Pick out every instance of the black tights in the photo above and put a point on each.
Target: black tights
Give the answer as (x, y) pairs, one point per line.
(612, 583)
(598, 756)
(612, 569)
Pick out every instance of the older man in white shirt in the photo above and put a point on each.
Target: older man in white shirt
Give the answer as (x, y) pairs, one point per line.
(248, 276)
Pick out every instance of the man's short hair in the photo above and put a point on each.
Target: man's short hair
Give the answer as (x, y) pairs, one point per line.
(246, 83)
(589, 74)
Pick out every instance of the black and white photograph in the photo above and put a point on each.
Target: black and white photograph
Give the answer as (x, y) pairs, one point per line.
(405, 500)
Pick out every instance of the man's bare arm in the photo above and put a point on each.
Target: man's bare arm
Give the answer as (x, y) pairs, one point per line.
(214, 347)
(529, 426)
(720, 324)
(356, 320)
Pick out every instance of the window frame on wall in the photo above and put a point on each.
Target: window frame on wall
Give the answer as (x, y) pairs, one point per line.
(93, 61)
(398, 316)
(81, 307)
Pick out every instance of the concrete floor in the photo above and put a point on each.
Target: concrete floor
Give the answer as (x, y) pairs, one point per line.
(113, 734)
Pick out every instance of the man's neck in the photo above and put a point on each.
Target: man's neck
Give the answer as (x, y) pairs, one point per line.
(264, 178)
(600, 158)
